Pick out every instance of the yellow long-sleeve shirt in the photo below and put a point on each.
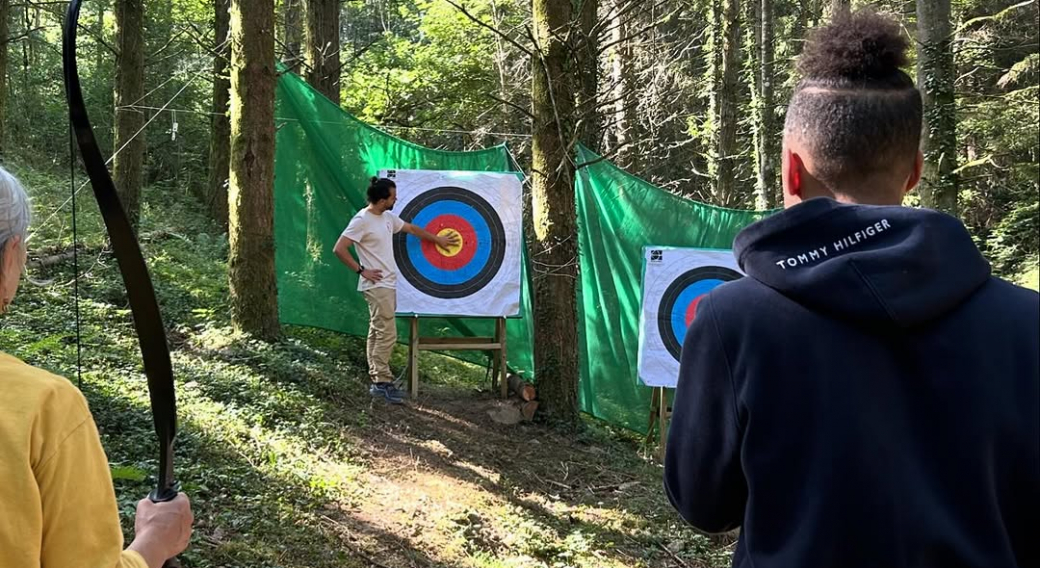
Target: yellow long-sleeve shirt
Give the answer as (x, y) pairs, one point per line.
(57, 504)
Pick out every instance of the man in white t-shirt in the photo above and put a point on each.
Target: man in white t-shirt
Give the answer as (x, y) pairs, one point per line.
(371, 233)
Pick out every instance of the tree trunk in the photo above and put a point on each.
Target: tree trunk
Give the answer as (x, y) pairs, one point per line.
(624, 134)
(507, 119)
(251, 270)
(935, 77)
(726, 105)
(220, 126)
(767, 153)
(293, 34)
(127, 167)
(554, 253)
(100, 56)
(322, 45)
(587, 52)
(714, 79)
(5, 32)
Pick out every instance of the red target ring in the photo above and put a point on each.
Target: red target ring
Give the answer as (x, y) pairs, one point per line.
(438, 257)
(691, 310)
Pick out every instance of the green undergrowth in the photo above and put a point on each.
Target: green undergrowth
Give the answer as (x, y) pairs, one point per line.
(288, 461)
(1029, 276)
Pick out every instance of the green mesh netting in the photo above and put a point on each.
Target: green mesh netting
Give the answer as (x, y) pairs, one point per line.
(324, 159)
(619, 214)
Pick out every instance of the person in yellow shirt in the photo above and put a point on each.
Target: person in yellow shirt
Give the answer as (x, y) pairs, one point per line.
(57, 502)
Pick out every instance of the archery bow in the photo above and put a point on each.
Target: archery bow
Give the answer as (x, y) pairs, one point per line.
(151, 334)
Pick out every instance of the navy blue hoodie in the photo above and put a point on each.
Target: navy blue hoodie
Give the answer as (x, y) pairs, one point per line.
(869, 396)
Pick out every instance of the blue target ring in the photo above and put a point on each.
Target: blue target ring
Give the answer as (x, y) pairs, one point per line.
(679, 301)
(483, 251)
(681, 310)
(481, 255)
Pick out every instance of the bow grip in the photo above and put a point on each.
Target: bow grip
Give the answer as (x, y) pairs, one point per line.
(162, 495)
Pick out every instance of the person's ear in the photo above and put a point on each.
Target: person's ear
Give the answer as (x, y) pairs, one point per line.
(11, 270)
(915, 174)
(792, 170)
(12, 255)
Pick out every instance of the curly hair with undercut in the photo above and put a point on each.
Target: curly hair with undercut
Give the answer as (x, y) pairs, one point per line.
(855, 109)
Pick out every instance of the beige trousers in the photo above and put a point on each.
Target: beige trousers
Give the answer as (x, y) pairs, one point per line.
(382, 332)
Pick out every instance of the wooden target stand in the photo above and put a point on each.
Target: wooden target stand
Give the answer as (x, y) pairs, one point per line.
(496, 344)
(660, 414)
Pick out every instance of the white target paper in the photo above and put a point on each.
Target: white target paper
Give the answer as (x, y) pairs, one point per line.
(674, 279)
(481, 276)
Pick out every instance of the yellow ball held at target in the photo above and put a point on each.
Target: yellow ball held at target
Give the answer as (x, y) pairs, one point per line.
(451, 250)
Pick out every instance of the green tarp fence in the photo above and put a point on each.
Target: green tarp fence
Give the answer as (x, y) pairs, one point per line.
(324, 159)
(619, 214)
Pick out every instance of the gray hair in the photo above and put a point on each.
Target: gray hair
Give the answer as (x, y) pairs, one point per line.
(15, 209)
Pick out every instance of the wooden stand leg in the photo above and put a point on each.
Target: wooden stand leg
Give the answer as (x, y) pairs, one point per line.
(413, 357)
(662, 424)
(652, 422)
(496, 344)
(494, 371)
(500, 338)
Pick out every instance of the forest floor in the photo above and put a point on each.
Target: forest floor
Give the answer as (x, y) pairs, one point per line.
(288, 460)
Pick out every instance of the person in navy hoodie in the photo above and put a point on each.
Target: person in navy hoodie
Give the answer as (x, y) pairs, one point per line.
(869, 395)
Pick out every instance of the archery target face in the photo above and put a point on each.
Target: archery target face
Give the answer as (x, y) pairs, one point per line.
(675, 280)
(478, 276)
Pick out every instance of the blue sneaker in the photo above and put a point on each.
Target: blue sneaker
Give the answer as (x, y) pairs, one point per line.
(387, 391)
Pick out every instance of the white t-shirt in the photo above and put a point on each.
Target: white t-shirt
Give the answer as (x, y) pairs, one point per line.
(373, 239)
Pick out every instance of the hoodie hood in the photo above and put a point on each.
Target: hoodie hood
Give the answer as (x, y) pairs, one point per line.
(872, 264)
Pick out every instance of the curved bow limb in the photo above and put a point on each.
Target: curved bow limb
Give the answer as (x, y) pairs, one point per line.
(151, 333)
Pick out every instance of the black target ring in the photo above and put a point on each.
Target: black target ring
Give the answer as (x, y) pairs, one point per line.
(482, 213)
(686, 285)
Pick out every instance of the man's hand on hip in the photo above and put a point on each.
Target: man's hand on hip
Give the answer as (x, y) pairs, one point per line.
(372, 275)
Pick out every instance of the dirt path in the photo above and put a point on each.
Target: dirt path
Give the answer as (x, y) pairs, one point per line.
(447, 486)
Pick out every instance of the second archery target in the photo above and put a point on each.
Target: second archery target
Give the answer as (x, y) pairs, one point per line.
(480, 275)
(675, 280)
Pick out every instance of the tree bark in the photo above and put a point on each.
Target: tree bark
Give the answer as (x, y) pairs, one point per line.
(554, 254)
(587, 53)
(726, 105)
(624, 134)
(293, 34)
(220, 125)
(322, 46)
(766, 150)
(935, 77)
(251, 270)
(507, 119)
(129, 146)
(100, 55)
(5, 33)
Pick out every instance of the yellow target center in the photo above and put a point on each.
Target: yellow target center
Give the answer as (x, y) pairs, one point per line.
(450, 250)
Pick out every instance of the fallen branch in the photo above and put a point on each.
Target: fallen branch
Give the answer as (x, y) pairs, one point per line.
(50, 260)
(680, 561)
